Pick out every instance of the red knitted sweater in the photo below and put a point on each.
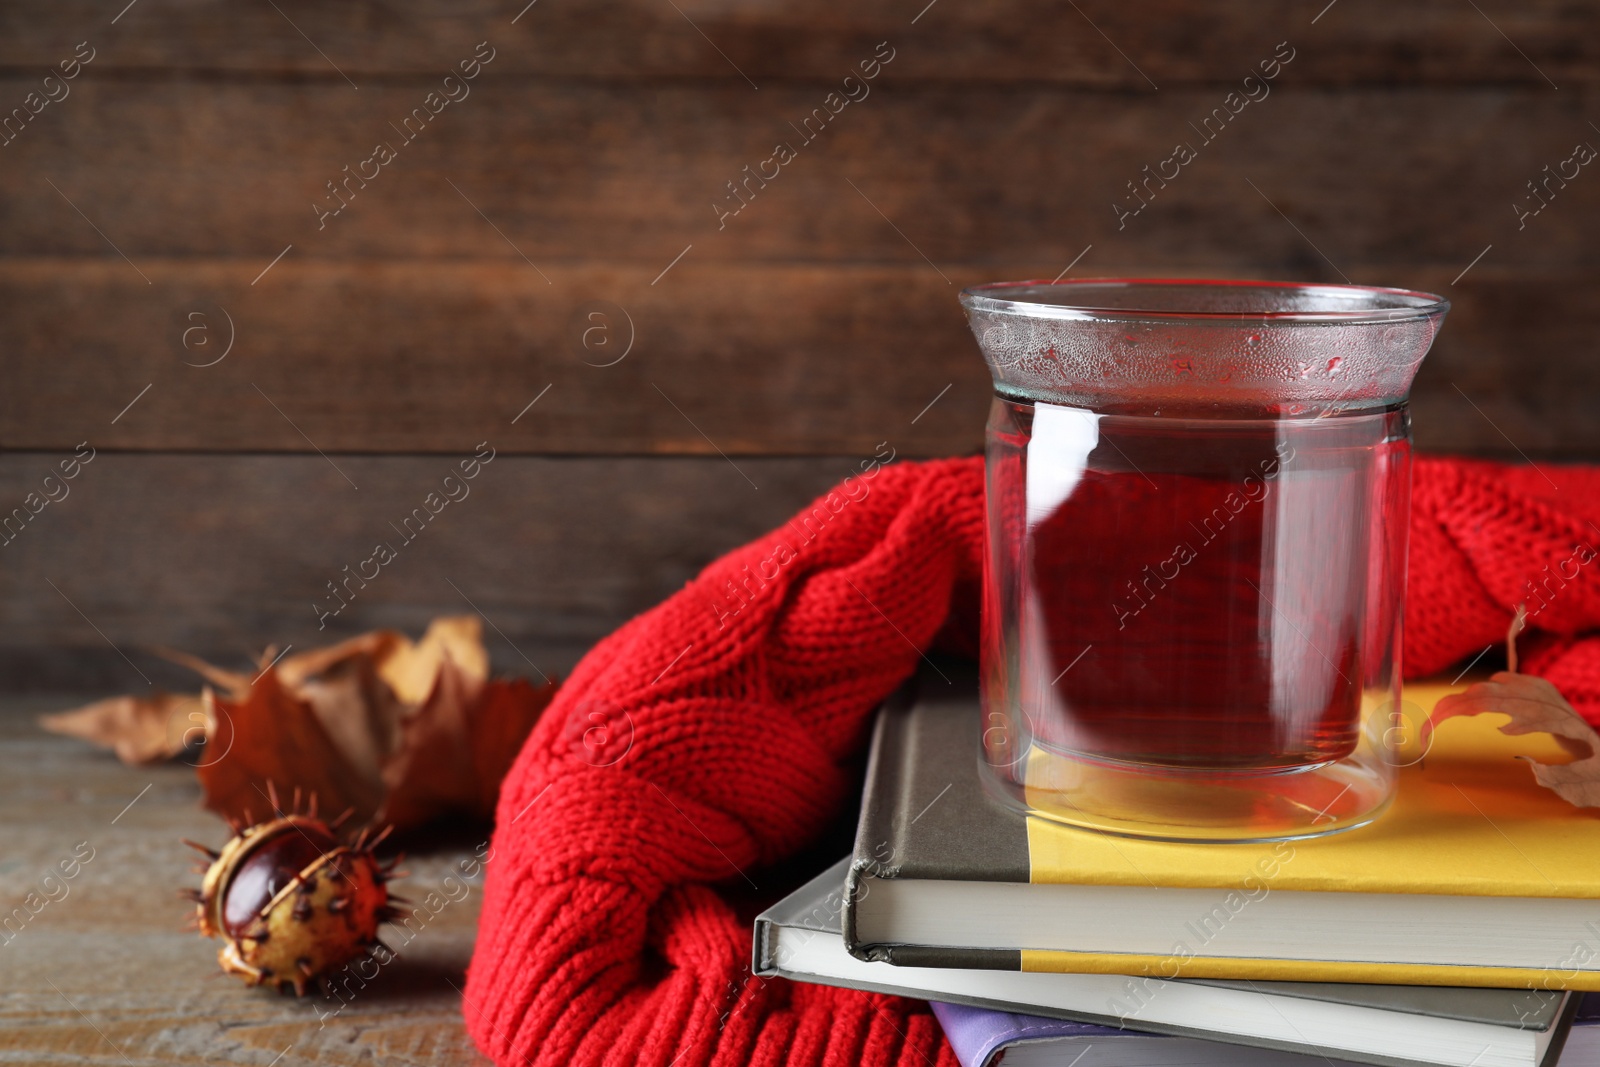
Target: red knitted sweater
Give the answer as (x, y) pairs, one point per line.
(710, 736)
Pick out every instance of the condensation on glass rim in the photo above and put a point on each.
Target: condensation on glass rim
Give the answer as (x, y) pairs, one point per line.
(1136, 344)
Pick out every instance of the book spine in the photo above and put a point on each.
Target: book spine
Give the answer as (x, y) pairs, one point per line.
(1247, 968)
(879, 836)
(1563, 1027)
(977, 959)
(761, 962)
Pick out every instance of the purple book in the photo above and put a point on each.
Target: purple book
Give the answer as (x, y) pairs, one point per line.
(983, 1037)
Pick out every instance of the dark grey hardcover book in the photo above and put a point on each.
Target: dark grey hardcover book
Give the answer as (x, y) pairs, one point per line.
(800, 938)
(924, 812)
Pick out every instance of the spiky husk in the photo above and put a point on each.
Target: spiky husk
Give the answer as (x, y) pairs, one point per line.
(326, 916)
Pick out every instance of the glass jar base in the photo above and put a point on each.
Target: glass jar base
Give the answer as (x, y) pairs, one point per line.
(1155, 802)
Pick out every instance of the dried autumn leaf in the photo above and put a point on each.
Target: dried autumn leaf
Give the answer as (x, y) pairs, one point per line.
(1535, 706)
(501, 721)
(454, 753)
(374, 646)
(377, 722)
(274, 737)
(359, 712)
(431, 770)
(138, 729)
(411, 670)
(407, 667)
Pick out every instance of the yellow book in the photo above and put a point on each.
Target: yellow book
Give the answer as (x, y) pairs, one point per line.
(1476, 875)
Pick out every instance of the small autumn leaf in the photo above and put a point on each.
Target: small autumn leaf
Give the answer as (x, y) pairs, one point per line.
(454, 753)
(431, 770)
(138, 729)
(408, 668)
(1535, 706)
(412, 671)
(502, 719)
(374, 646)
(273, 737)
(358, 711)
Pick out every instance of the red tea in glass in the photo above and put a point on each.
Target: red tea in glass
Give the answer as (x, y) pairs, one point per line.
(1197, 498)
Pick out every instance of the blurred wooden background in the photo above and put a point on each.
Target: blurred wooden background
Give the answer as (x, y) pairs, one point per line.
(552, 237)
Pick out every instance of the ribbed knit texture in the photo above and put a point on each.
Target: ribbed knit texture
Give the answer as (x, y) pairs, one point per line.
(709, 737)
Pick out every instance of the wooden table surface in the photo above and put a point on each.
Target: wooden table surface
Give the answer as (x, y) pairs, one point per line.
(106, 973)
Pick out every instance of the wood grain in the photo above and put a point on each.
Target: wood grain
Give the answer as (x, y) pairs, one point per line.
(139, 218)
(106, 973)
(555, 175)
(1103, 44)
(751, 360)
(224, 555)
(437, 357)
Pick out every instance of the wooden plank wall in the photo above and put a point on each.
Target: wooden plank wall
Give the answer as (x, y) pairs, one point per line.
(266, 383)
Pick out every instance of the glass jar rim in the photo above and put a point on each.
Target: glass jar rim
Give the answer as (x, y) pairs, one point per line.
(1344, 304)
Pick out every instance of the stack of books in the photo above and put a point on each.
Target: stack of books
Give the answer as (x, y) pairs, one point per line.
(1459, 929)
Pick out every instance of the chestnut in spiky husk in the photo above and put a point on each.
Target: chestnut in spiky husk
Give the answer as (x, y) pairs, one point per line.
(291, 902)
